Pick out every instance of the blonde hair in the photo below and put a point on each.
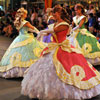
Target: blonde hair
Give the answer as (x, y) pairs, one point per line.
(19, 17)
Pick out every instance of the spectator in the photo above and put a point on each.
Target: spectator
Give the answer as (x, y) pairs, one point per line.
(91, 22)
(92, 10)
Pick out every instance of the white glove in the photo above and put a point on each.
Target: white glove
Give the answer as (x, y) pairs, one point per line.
(69, 30)
(40, 34)
(50, 30)
(45, 32)
(75, 28)
(51, 26)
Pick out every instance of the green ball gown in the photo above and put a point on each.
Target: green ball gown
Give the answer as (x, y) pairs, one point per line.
(23, 51)
(85, 42)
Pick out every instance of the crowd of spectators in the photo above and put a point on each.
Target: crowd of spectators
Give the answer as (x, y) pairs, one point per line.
(37, 17)
(7, 27)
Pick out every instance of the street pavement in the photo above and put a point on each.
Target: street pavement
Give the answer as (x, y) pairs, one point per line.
(10, 88)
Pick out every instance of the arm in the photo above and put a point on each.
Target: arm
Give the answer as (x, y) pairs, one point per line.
(49, 30)
(46, 31)
(80, 25)
(52, 30)
(29, 25)
(82, 22)
(73, 24)
(31, 28)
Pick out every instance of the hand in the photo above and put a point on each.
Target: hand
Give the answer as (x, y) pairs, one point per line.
(39, 36)
(75, 28)
(71, 32)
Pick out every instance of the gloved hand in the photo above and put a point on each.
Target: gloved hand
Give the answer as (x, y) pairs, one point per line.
(50, 30)
(45, 32)
(75, 28)
(40, 34)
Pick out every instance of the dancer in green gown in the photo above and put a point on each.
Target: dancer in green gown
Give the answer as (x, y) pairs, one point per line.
(82, 39)
(23, 51)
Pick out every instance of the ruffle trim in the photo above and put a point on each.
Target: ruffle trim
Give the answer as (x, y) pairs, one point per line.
(92, 55)
(72, 78)
(15, 61)
(83, 32)
(23, 43)
(87, 48)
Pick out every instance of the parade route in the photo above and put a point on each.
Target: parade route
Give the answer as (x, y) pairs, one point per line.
(10, 89)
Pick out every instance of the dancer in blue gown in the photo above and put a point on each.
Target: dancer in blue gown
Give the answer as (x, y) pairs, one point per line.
(23, 51)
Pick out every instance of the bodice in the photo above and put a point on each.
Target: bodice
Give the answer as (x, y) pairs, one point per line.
(83, 26)
(78, 20)
(60, 36)
(23, 31)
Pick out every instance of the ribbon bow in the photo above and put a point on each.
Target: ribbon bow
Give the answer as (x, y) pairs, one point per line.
(65, 45)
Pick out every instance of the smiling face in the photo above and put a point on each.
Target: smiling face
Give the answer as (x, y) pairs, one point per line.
(78, 11)
(60, 14)
(25, 15)
(56, 15)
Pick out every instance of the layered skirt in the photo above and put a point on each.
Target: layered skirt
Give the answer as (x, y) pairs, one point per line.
(83, 40)
(61, 75)
(23, 52)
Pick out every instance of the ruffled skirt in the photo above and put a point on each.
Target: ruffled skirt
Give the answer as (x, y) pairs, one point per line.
(21, 54)
(88, 44)
(41, 81)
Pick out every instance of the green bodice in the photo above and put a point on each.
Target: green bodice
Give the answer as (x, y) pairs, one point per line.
(85, 41)
(77, 21)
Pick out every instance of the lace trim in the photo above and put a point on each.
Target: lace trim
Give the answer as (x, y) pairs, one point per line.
(15, 61)
(72, 78)
(87, 48)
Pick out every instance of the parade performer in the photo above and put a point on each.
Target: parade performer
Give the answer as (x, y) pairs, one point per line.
(50, 20)
(82, 39)
(62, 73)
(24, 50)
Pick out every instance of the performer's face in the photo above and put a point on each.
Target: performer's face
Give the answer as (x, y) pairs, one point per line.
(25, 15)
(77, 11)
(56, 15)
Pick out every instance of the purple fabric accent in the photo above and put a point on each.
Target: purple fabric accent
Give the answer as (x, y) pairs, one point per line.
(47, 38)
(14, 72)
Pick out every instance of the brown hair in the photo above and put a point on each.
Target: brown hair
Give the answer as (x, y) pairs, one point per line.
(80, 6)
(63, 12)
(19, 17)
